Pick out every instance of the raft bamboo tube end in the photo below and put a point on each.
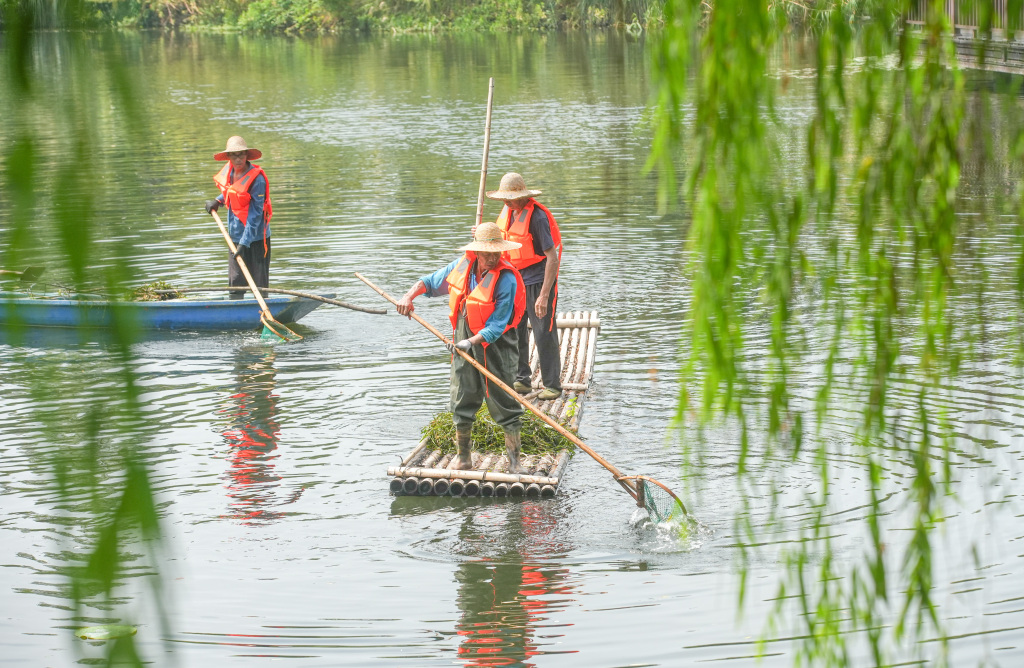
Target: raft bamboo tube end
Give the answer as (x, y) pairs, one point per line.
(472, 488)
(441, 487)
(501, 490)
(516, 489)
(426, 486)
(533, 491)
(410, 485)
(397, 485)
(487, 489)
(547, 492)
(456, 487)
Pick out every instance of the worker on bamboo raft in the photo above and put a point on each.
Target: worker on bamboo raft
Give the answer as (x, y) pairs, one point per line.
(485, 301)
(531, 226)
(246, 192)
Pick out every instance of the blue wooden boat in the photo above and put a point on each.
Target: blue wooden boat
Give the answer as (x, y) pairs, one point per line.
(171, 314)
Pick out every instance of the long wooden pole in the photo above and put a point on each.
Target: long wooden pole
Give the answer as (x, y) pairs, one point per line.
(626, 484)
(282, 291)
(483, 166)
(245, 270)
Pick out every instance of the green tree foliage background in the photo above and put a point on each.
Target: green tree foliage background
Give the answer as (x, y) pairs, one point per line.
(318, 16)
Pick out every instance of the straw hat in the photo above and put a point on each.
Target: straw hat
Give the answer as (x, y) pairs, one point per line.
(488, 240)
(512, 187)
(236, 143)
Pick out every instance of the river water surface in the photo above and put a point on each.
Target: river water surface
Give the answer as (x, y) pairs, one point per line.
(269, 461)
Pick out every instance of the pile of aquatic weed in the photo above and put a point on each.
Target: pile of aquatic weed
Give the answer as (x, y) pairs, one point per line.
(538, 438)
(152, 292)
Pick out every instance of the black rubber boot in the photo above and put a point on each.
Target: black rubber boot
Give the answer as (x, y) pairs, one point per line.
(513, 443)
(462, 438)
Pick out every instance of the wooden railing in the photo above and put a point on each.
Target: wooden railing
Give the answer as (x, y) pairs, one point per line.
(975, 18)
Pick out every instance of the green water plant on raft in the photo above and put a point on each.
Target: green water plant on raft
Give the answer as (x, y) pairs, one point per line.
(538, 438)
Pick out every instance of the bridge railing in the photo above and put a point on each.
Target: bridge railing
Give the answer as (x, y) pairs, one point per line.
(975, 18)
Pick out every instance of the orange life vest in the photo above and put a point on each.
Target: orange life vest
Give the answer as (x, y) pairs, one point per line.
(237, 197)
(518, 229)
(480, 301)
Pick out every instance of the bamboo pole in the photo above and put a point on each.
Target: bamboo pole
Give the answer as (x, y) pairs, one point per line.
(580, 367)
(483, 476)
(410, 485)
(282, 291)
(487, 144)
(473, 487)
(543, 466)
(628, 485)
(591, 354)
(566, 321)
(397, 484)
(420, 447)
(548, 491)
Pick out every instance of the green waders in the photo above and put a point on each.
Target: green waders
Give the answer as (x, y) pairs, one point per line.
(469, 388)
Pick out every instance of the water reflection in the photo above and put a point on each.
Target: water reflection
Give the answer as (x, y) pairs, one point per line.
(252, 434)
(507, 601)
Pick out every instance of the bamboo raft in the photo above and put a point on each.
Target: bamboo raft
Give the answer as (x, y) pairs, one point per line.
(427, 472)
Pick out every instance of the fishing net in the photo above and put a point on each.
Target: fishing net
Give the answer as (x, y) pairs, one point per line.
(659, 501)
(272, 329)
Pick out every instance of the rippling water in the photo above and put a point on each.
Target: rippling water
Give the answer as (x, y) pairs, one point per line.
(269, 461)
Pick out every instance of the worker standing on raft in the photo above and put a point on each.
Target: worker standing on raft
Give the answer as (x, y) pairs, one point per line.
(531, 226)
(486, 301)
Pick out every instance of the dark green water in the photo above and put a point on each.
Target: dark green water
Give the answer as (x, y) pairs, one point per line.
(270, 461)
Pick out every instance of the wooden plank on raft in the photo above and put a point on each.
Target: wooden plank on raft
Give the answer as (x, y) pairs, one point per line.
(425, 471)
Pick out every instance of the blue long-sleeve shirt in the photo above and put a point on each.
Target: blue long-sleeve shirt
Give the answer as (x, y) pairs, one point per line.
(504, 297)
(243, 235)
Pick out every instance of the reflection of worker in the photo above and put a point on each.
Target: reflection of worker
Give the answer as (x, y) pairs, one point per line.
(505, 600)
(253, 434)
(485, 300)
(529, 223)
(246, 192)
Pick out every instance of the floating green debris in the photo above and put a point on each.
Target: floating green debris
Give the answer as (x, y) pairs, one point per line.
(153, 292)
(538, 437)
(106, 632)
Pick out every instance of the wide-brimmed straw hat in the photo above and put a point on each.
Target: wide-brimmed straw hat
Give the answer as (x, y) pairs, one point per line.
(512, 186)
(236, 143)
(488, 239)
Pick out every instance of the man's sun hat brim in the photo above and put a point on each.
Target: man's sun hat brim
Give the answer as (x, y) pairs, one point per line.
(512, 194)
(497, 246)
(252, 154)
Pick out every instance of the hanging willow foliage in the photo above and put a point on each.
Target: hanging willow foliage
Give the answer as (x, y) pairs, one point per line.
(862, 291)
(99, 473)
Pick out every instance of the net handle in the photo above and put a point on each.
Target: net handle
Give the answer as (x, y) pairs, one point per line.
(265, 316)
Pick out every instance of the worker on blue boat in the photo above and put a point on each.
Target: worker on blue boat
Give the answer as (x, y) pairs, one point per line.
(246, 192)
(530, 224)
(486, 300)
